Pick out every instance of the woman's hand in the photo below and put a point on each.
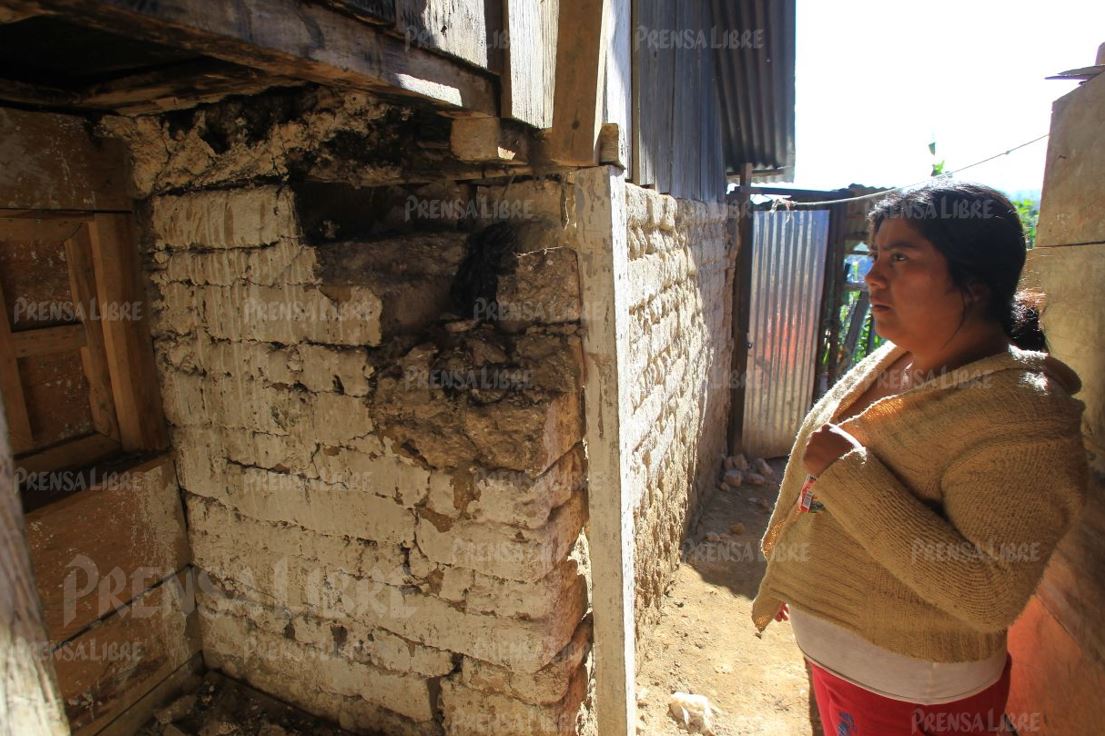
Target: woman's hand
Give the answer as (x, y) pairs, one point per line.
(783, 614)
(824, 446)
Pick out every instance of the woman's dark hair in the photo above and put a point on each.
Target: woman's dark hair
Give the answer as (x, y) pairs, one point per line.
(978, 231)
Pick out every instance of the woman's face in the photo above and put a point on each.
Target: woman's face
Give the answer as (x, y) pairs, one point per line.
(914, 303)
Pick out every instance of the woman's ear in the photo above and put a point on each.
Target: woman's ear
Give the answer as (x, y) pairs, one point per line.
(977, 293)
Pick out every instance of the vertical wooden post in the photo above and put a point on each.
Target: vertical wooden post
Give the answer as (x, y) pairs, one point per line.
(600, 211)
(29, 702)
(742, 287)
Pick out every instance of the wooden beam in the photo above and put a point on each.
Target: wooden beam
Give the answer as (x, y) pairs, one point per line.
(488, 140)
(82, 286)
(529, 79)
(46, 340)
(134, 384)
(69, 454)
(742, 307)
(29, 697)
(11, 387)
(603, 283)
(467, 30)
(288, 38)
(178, 86)
(577, 109)
(373, 11)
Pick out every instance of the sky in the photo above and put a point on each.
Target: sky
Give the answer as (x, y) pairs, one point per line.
(877, 80)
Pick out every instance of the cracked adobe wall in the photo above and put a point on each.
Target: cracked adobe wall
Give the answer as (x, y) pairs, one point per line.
(385, 500)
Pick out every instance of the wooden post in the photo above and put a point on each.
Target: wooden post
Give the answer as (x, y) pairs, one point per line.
(603, 274)
(29, 702)
(742, 304)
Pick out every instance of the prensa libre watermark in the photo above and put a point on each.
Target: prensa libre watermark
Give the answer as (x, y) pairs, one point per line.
(66, 311)
(262, 311)
(488, 378)
(422, 36)
(66, 481)
(700, 38)
(478, 208)
(973, 722)
(970, 551)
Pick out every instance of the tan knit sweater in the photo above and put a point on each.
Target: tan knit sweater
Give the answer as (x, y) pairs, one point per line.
(934, 533)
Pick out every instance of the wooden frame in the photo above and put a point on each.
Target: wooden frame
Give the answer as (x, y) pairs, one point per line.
(116, 354)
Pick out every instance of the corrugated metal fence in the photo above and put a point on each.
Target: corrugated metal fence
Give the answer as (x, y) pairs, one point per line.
(788, 267)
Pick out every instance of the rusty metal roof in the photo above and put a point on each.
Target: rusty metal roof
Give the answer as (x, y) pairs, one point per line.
(756, 85)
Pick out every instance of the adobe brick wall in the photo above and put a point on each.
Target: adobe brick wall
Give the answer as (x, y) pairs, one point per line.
(680, 285)
(385, 500)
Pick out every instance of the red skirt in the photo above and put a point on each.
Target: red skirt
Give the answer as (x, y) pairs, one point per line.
(849, 710)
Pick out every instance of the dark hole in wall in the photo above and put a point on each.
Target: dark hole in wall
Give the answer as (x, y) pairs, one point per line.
(490, 254)
(330, 212)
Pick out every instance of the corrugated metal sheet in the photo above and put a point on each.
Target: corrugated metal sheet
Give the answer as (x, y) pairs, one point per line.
(788, 267)
(756, 86)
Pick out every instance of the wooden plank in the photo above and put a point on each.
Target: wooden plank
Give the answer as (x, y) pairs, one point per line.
(71, 454)
(617, 79)
(458, 28)
(109, 667)
(127, 342)
(529, 78)
(488, 139)
(185, 679)
(15, 403)
(682, 102)
(293, 39)
(1072, 204)
(51, 162)
(742, 307)
(45, 340)
(646, 55)
(29, 697)
(178, 86)
(97, 549)
(82, 285)
(374, 11)
(661, 135)
(603, 277)
(577, 109)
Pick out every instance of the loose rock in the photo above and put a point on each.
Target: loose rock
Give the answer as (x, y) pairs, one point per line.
(733, 478)
(176, 710)
(693, 713)
(763, 468)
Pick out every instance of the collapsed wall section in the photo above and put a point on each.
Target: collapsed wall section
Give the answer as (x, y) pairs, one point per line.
(375, 404)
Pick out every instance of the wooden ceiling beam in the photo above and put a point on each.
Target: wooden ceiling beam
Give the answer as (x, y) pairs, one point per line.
(286, 38)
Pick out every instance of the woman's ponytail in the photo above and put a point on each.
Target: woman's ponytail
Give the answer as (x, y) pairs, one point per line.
(1022, 322)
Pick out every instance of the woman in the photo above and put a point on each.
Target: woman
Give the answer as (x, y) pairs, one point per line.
(926, 491)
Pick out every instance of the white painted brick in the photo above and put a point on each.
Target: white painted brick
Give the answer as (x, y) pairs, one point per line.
(322, 366)
(311, 668)
(292, 313)
(515, 498)
(547, 686)
(511, 553)
(234, 218)
(388, 476)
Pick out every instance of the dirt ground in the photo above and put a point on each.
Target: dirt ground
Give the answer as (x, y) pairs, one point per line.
(220, 706)
(706, 643)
